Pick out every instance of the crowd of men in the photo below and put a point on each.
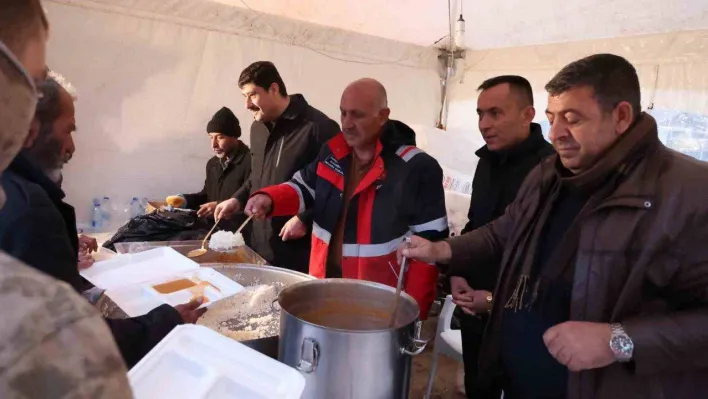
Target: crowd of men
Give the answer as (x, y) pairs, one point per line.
(581, 272)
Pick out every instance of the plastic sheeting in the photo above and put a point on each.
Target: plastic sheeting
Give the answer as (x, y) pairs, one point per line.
(147, 88)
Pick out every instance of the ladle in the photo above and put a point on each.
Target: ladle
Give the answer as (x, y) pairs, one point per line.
(399, 286)
(201, 251)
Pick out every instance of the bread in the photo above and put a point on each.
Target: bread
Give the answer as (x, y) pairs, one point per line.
(176, 201)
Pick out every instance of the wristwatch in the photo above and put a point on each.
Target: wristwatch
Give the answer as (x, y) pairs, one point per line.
(620, 343)
(489, 300)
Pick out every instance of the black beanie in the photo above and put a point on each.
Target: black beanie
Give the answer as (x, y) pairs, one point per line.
(225, 122)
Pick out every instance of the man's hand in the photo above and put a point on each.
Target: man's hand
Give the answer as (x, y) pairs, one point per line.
(85, 261)
(227, 209)
(580, 345)
(472, 302)
(87, 244)
(189, 311)
(207, 210)
(293, 229)
(425, 251)
(259, 206)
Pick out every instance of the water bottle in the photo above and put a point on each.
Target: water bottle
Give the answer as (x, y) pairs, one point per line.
(123, 215)
(107, 208)
(97, 218)
(136, 209)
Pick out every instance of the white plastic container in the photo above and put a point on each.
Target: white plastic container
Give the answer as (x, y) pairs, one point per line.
(130, 280)
(194, 362)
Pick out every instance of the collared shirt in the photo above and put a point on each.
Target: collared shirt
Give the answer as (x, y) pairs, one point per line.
(225, 161)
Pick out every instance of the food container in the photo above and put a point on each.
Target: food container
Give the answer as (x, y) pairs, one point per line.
(245, 275)
(194, 362)
(143, 281)
(336, 333)
(242, 254)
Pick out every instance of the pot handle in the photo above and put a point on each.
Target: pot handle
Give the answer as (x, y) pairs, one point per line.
(309, 355)
(417, 345)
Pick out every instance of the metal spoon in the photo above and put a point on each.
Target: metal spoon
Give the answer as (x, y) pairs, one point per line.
(201, 251)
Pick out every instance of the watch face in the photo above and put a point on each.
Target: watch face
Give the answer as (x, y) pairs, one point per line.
(621, 345)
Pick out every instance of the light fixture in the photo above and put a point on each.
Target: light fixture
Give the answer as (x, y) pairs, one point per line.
(460, 33)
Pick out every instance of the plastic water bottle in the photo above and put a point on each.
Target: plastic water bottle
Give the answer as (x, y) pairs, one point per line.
(136, 209)
(107, 208)
(97, 218)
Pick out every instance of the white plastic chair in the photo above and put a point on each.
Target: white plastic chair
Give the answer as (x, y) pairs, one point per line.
(447, 341)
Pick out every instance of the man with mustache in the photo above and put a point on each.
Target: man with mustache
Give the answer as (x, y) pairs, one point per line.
(603, 288)
(227, 171)
(514, 146)
(286, 135)
(368, 189)
(55, 344)
(37, 227)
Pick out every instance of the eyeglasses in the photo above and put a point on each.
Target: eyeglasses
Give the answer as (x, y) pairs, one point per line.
(13, 60)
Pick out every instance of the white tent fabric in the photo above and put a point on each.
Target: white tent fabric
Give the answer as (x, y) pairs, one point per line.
(147, 87)
(671, 70)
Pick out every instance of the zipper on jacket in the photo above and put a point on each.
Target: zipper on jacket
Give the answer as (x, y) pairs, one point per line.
(280, 151)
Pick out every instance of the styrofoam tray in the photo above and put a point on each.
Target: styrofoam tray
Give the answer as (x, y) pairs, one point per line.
(197, 363)
(129, 280)
(130, 269)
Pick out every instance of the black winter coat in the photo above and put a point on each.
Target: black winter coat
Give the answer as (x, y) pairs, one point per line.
(278, 151)
(220, 184)
(38, 228)
(496, 182)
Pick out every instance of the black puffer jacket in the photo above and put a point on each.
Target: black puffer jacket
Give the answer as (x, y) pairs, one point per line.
(38, 228)
(278, 151)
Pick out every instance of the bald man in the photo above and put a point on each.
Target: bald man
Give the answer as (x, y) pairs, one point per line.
(369, 188)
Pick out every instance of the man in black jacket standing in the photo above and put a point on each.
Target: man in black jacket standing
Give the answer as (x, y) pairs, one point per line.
(227, 171)
(38, 228)
(514, 146)
(286, 136)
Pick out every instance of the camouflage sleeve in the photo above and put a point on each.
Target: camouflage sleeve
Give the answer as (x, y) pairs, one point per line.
(53, 343)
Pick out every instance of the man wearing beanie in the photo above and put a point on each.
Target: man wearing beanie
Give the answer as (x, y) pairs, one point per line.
(227, 171)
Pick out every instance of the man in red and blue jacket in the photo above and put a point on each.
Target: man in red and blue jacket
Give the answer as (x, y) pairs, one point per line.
(370, 187)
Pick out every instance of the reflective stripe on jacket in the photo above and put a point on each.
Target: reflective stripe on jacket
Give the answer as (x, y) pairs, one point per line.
(401, 195)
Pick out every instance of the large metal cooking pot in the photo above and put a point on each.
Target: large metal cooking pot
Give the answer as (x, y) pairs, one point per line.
(243, 274)
(335, 332)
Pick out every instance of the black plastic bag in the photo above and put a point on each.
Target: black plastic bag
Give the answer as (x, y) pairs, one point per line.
(160, 226)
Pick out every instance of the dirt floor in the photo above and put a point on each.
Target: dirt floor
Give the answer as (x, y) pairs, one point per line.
(446, 376)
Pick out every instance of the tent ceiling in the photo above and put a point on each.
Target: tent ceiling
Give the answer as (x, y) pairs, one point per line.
(494, 23)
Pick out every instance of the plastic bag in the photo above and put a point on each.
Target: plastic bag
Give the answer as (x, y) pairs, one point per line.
(160, 226)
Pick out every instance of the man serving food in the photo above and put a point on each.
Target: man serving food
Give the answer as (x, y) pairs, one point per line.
(369, 188)
(226, 172)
